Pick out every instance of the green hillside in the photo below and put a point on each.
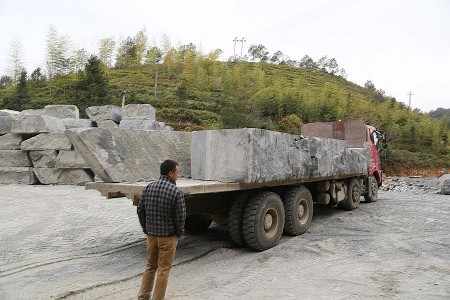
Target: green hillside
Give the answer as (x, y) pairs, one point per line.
(196, 92)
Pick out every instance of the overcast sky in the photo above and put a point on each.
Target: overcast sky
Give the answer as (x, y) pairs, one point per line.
(400, 45)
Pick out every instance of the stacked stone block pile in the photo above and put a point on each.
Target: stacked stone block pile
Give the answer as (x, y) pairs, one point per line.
(35, 149)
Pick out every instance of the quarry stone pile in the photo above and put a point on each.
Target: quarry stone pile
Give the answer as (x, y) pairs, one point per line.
(256, 155)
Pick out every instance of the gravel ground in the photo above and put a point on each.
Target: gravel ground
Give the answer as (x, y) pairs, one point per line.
(63, 242)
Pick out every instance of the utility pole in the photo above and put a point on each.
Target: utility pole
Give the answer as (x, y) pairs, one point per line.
(409, 94)
(242, 45)
(234, 51)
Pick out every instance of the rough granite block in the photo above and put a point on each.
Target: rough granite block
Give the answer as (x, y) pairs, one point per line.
(24, 123)
(43, 158)
(62, 111)
(445, 189)
(141, 124)
(5, 124)
(70, 159)
(62, 176)
(10, 141)
(8, 112)
(106, 112)
(47, 141)
(247, 155)
(17, 175)
(77, 123)
(118, 155)
(141, 111)
(32, 112)
(14, 158)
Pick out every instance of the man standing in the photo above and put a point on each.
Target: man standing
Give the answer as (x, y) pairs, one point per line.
(162, 213)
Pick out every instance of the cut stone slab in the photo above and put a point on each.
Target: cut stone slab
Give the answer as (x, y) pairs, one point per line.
(70, 159)
(43, 158)
(77, 123)
(141, 124)
(62, 176)
(106, 112)
(10, 141)
(14, 158)
(23, 124)
(47, 141)
(17, 175)
(107, 124)
(247, 155)
(32, 112)
(5, 124)
(118, 155)
(8, 112)
(141, 111)
(62, 111)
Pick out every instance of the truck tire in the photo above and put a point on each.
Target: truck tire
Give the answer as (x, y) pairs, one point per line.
(263, 221)
(298, 209)
(197, 223)
(372, 193)
(235, 217)
(353, 195)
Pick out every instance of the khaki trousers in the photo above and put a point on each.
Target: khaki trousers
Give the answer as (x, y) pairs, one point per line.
(160, 255)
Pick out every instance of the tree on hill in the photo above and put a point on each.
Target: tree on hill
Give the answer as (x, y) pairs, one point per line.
(105, 51)
(258, 52)
(58, 48)
(21, 97)
(15, 63)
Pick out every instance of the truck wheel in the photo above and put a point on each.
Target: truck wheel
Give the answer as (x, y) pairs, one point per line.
(235, 217)
(372, 193)
(298, 209)
(263, 221)
(197, 223)
(353, 195)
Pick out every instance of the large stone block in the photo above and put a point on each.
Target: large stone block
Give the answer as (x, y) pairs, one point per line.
(24, 123)
(117, 155)
(32, 112)
(77, 123)
(62, 176)
(8, 112)
(47, 141)
(17, 175)
(247, 155)
(70, 159)
(14, 158)
(141, 124)
(107, 124)
(5, 124)
(62, 111)
(43, 158)
(10, 141)
(141, 111)
(106, 112)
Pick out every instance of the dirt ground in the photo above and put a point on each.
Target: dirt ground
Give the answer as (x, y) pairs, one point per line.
(63, 242)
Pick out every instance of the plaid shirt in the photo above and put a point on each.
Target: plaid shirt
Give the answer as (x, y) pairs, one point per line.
(161, 209)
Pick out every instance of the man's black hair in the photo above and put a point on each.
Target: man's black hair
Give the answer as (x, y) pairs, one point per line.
(167, 166)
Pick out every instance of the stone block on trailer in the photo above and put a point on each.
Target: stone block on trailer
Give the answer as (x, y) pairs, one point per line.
(105, 112)
(43, 158)
(17, 175)
(62, 111)
(77, 123)
(70, 159)
(47, 141)
(10, 141)
(14, 158)
(118, 155)
(247, 155)
(32, 124)
(141, 111)
(62, 176)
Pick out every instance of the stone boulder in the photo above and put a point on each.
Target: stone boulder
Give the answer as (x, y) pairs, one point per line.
(8, 112)
(77, 123)
(43, 158)
(142, 124)
(32, 124)
(70, 159)
(62, 176)
(5, 124)
(14, 158)
(62, 111)
(47, 141)
(106, 112)
(10, 141)
(17, 175)
(117, 155)
(140, 111)
(107, 124)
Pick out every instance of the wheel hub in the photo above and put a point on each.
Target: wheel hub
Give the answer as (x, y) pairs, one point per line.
(301, 211)
(268, 221)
